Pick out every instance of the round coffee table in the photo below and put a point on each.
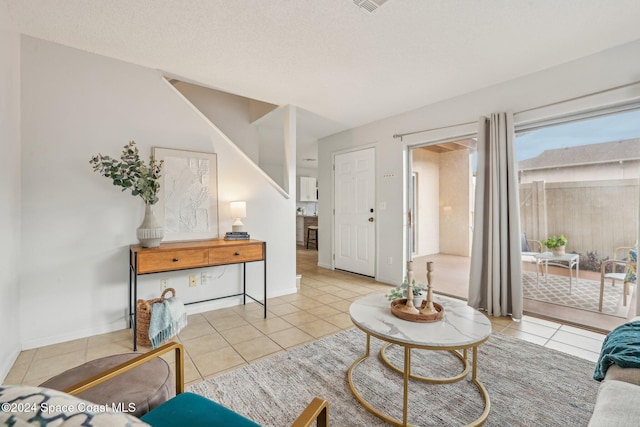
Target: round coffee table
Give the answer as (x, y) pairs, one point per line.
(460, 329)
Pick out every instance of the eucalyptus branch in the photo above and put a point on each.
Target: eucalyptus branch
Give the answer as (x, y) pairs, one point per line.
(131, 173)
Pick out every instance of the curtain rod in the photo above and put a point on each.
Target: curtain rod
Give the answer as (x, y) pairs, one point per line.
(400, 135)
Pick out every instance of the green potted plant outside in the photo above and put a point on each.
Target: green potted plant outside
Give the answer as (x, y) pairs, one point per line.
(132, 173)
(401, 292)
(556, 244)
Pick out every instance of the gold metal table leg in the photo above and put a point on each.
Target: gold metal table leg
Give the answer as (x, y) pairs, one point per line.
(406, 372)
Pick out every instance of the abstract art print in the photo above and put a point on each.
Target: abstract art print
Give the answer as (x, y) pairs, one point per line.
(188, 205)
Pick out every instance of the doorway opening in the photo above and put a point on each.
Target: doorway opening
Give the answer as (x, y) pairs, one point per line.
(441, 200)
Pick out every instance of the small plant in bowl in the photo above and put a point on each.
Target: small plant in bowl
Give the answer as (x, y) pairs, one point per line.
(401, 292)
(556, 244)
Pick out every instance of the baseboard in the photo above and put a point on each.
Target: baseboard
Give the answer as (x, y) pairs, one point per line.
(123, 324)
(327, 266)
(202, 307)
(83, 333)
(387, 281)
(287, 291)
(7, 362)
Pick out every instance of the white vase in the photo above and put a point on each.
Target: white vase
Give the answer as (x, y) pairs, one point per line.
(417, 300)
(558, 251)
(150, 232)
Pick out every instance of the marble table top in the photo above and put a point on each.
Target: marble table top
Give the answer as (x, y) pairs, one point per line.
(461, 326)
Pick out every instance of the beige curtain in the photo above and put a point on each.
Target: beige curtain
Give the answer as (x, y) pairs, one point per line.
(495, 282)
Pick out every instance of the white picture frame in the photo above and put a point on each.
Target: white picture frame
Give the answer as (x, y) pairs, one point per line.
(188, 196)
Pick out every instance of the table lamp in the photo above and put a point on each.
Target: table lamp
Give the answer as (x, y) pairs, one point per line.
(238, 210)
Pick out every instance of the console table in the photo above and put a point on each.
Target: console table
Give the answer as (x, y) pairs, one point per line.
(173, 256)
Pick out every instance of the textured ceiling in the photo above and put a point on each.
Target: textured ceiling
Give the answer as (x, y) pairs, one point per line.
(330, 57)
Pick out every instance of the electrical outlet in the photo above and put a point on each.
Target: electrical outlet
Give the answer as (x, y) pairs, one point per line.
(164, 284)
(389, 260)
(193, 280)
(204, 279)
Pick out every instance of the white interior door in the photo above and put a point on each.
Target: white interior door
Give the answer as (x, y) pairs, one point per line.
(354, 221)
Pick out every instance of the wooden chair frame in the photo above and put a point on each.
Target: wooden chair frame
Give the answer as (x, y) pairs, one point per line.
(614, 275)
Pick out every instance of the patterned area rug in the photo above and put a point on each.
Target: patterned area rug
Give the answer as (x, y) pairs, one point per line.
(584, 295)
(528, 385)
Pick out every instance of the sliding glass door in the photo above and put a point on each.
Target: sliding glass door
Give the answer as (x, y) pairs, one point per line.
(579, 180)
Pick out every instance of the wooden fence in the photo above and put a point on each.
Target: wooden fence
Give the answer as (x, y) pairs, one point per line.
(592, 215)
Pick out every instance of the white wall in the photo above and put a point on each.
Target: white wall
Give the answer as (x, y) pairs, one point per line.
(426, 165)
(231, 114)
(76, 226)
(234, 116)
(455, 203)
(9, 192)
(587, 75)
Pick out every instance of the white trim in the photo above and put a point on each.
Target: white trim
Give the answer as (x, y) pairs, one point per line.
(8, 363)
(447, 134)
(603, 103)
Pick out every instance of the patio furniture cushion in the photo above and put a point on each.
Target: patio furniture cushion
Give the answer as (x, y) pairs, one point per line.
(189, 409)
(630, 276)
(524, 244)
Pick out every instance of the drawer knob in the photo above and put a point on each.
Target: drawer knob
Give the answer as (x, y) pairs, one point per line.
(176, 259)
(237, 253)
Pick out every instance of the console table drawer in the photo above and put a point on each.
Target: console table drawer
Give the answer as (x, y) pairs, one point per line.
(172, 260)
(234, 254)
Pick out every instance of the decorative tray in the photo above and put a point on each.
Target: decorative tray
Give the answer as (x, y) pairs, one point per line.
(397, 305)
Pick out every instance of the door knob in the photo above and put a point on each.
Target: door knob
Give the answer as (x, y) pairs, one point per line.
(371, 219)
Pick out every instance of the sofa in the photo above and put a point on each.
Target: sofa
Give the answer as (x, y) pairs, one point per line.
(618, 401)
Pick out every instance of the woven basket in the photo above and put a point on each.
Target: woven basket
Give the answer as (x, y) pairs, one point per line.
(143, 314)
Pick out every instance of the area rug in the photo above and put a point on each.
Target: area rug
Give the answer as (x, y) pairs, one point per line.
(584, 295)
(528, 385)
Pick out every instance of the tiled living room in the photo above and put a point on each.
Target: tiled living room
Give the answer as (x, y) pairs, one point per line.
(268, 93)
(227, 339)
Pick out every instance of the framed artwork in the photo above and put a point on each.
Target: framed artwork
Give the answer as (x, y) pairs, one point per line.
(188, 196)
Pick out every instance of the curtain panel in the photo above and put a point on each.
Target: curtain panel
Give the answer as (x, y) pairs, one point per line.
(495, 282)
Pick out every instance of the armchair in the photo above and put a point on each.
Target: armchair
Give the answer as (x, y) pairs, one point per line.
(183, 409)
(627, 276)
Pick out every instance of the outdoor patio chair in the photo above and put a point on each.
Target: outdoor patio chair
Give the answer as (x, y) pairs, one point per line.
(530, 250)
(625, 257)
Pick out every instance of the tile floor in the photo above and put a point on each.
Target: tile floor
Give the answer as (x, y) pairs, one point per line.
(226, 339)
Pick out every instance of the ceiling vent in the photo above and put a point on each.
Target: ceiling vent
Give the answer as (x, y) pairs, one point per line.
(369, 5)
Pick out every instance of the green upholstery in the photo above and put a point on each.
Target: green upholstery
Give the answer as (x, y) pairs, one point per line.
(188, 409)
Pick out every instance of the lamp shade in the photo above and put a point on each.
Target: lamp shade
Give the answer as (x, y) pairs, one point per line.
(238, 209)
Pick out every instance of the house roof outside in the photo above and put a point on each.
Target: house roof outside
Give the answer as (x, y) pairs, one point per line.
(605, 152)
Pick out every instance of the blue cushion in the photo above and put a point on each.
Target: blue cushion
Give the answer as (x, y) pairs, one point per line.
(189, 409)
